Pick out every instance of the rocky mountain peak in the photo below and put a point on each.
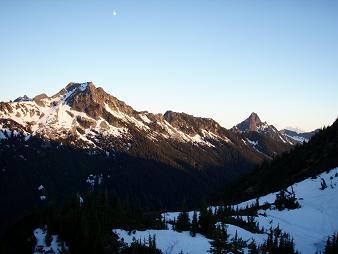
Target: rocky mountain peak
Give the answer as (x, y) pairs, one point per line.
(250, 124)
(22, 98)
(254, 117)
(92, 100)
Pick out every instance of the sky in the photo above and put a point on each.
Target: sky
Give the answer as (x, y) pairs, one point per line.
(213, 58)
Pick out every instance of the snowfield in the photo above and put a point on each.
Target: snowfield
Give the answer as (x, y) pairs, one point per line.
(169, 241)
(317, 218)
(309, 225)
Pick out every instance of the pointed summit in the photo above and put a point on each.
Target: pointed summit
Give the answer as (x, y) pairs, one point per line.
(250, 124)
(23, 98)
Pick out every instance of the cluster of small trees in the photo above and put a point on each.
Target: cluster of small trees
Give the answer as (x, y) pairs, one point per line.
(139, 247)
(204, 222)
(221, 242)
(286, 200)
(211, 222)
(278, 242)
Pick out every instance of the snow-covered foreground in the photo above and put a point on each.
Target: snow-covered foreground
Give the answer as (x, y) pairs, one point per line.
(309, 225)
(317, 218)
(170, 241)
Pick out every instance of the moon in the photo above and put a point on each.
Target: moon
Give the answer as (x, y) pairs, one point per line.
(114, 13)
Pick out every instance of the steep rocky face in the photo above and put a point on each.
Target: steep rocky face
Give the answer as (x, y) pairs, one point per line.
(192, 125)
(93, 101)
(252, 123)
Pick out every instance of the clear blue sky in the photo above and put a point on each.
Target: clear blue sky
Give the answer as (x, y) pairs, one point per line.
(213, 58)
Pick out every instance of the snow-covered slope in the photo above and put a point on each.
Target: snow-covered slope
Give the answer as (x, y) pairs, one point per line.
(299, 137)
(169, 241)
(309, 225)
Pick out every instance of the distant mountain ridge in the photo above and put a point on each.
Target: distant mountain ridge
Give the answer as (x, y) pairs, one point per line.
(299, 136)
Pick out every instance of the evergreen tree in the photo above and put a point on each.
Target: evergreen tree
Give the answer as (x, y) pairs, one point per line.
(278, 243)
(253, 249)
(183, 220)
(331, 246)
(323, 184)
(219, 244)
(48, 237)
(194, 225)
(206, 222)
(285, 199)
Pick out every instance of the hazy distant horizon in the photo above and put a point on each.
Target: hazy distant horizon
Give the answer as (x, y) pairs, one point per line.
(219, 59)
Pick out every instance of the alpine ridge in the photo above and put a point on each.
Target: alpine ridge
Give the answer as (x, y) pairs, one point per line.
(85, 116)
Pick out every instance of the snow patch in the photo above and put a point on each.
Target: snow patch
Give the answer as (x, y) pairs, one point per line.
(169, 241)
(55, 247)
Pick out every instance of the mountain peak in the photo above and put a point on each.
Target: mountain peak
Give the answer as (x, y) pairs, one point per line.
(254, 118)
(22, 98)
(81, 86)
(250, 124)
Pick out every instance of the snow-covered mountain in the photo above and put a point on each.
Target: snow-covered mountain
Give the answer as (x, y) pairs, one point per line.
(263, 137)
(88, 113)
(254, 124)
(294, 129)
(297, 136)
(85, 116)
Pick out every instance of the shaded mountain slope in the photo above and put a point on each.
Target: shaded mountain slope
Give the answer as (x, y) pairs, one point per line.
(307, 160)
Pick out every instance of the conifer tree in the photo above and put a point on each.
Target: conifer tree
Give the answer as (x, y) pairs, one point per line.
(331, 246)
(220, 244)
(253, 249)
(206, 222)
(194, 225)
(48, 238)
(183, 220)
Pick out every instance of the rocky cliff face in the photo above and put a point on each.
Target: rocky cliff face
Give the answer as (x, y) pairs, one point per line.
(252, 123)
